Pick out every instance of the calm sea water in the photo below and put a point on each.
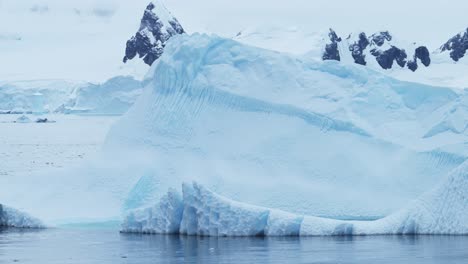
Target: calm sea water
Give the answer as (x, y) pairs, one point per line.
(72, 245)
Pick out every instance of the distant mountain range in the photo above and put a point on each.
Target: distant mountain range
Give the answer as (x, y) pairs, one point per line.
(381, 47)
(378, 50)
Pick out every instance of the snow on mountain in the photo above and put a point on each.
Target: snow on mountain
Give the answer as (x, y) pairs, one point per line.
(294, 40)
(84, 39)
(457, 46)
(223, 114)
(383, 51)
(114, 96)
(199, 211)
(157, 26)
(379, 47)
(13, 218)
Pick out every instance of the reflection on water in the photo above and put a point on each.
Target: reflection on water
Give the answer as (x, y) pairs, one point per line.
(108, 246)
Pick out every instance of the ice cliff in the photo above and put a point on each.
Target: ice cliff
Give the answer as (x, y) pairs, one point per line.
(199, 211)
(115, 96)
(13, 218)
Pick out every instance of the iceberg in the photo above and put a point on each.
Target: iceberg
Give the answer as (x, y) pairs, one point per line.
(201, 212)
(273, 130)
(23, 119)
(284, 131)
(10, 217)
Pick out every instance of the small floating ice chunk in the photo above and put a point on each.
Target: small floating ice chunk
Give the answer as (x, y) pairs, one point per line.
(23, 119)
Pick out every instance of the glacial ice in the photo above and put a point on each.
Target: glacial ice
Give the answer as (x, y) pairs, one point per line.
(10, 217)
(269, 129)
(296, 130)
(443, 210)
(114, 96)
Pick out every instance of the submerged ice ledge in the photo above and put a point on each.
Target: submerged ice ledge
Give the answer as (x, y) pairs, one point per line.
(199, 211)
(10, 217)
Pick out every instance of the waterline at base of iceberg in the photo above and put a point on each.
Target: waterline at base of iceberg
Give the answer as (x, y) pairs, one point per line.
(199, 211)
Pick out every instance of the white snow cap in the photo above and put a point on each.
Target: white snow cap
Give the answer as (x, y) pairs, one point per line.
(162, 12)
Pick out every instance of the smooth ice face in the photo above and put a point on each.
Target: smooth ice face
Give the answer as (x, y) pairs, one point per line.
(443, 210)
(13, 218)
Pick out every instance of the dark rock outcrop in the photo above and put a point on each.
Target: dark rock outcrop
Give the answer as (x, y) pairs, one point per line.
(387, 57)
(331, 49)
(379, 46)
(413, 65)
(148, 43)
(358, 47)
(421, 53)
(457, 45)
(380, 38)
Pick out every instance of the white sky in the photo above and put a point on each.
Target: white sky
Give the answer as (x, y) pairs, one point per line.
(85, 39)
(422, 19)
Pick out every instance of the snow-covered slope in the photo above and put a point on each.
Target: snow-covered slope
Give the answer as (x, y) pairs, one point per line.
(456, 46)
(199, 211)
(13, 218)
(294, 40)
(114, 96)
(407, 59)
(248, 122)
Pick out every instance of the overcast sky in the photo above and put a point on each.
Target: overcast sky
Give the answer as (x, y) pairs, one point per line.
(419, 18)
(80, 31)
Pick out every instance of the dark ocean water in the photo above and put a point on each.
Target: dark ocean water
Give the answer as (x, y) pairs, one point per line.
(74, 245)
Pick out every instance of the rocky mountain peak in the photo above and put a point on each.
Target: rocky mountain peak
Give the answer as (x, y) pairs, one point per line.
(379, 46)
(457, 45)
(156, 28)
